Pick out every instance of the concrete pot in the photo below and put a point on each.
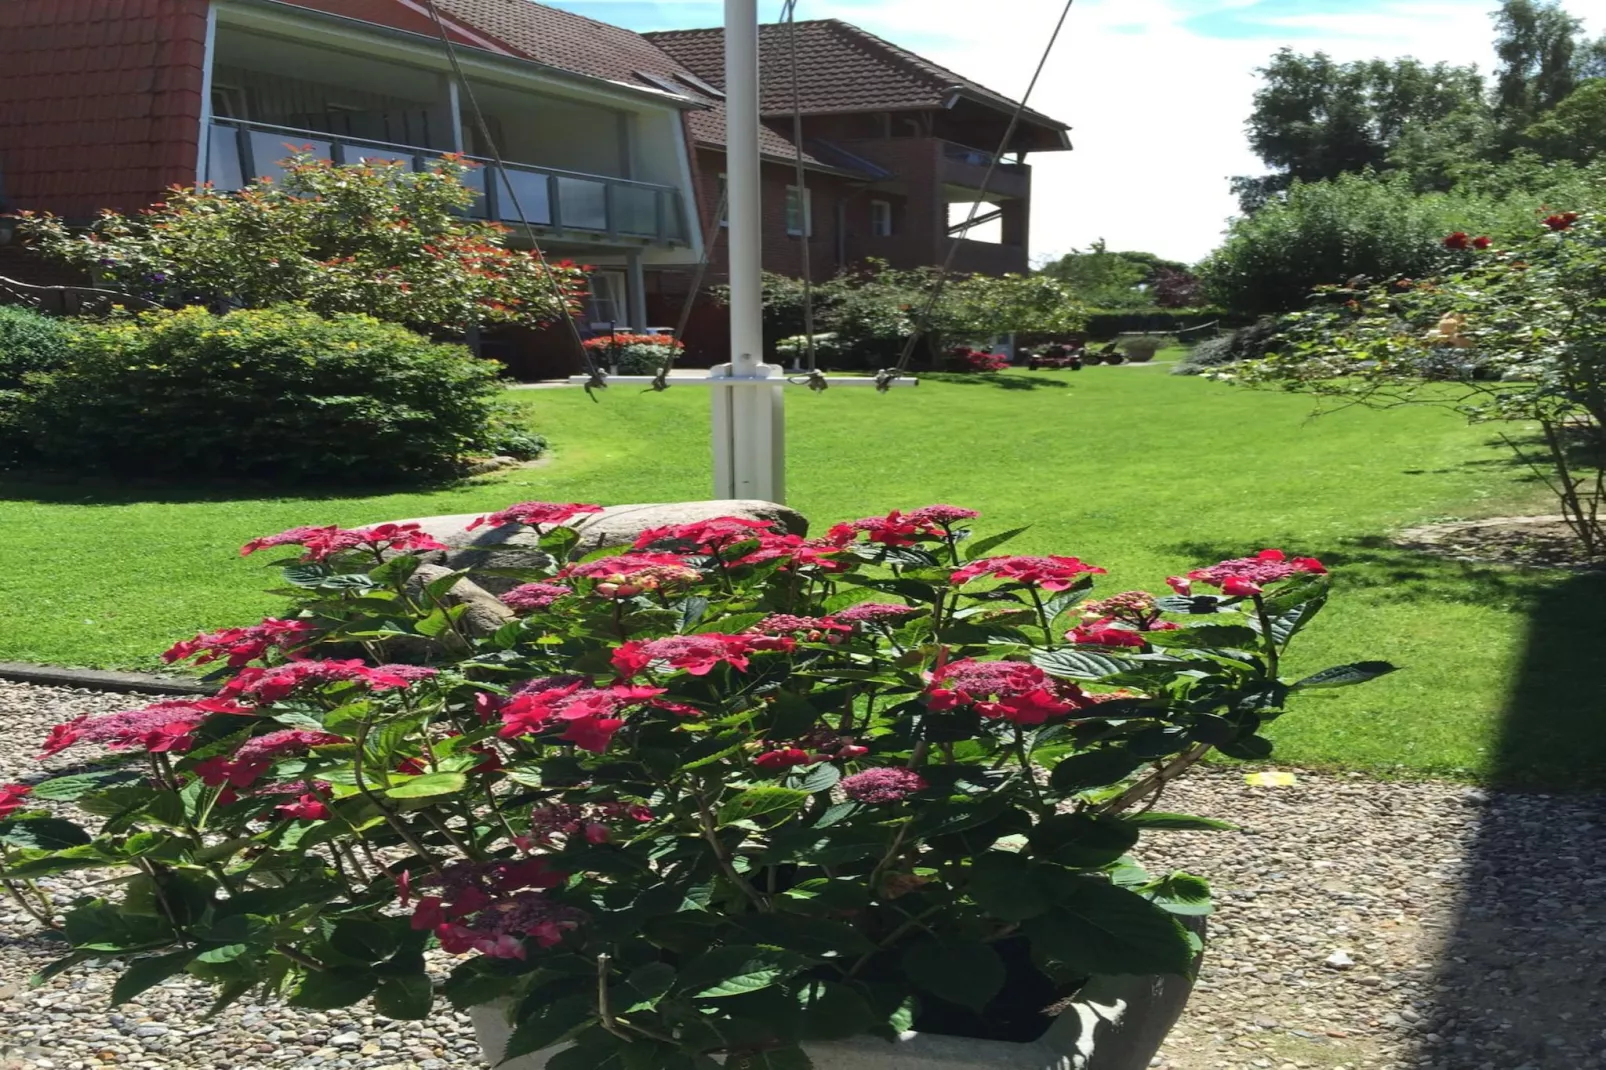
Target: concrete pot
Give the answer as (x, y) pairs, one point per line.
(1114, 1023)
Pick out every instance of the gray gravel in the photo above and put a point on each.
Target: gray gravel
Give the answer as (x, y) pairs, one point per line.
(1360, 924)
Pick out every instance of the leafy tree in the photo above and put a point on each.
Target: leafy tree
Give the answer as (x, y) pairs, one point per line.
(370, 238)
(1316, 118)
(1105, 279)
(1537, 43)
(1575, 129)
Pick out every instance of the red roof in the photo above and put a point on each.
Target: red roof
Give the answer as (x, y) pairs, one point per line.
(100, 103)
(841, 68)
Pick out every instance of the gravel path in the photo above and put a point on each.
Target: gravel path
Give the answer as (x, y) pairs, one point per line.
(1383, 926)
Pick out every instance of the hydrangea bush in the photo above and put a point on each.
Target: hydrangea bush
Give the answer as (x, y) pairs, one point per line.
(722, 792)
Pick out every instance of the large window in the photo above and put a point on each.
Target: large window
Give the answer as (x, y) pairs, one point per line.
(799, 211)
(881, 219)
(606, 308)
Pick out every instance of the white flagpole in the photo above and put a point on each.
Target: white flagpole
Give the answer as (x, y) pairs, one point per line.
(749, 417)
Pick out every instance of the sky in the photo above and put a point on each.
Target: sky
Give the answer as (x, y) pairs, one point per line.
(1156, 91)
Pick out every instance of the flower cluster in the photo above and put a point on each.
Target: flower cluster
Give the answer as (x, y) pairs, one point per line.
(881, 786)
(531, 597)
(808, 629)
(158, 728)
(267, 685)
(1561, 220)
(1003, 690)
(535, 514)
(593, 822)
(589, 715)
(627, 575)
(1049, 573)
(696, 654)
(11, 798)
(493, 907)
(1243, 577)
(703, 536)
(894, 529)
(242, 645)
(875, 613)
(319, 544)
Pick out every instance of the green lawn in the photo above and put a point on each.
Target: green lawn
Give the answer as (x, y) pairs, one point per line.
(1135, 469)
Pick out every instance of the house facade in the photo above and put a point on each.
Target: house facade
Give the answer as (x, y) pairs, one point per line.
(611, 143)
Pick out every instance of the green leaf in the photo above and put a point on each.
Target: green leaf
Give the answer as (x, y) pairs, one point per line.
(1001, 884)
(364, 941)
(965, 972)
(1153, 820)
(1082, 664)
(1285, 626)
(1180, 893)
(822, 777)
(323, 990)
(981, 547)
(408, 997)
(1248, 749)
(1196, 605)
(420, 787)
(691, 609)
(76, 786)
(776, 803)
(148, 972)
(1205, 636)
(42, 833)
(1101, 929)
(99, 926)
(645, 986)
(1346, 675)
(551, 1023)
(1082, 841)
(833, 1011)
(737, 969)
(817, 937)
(1093, 769)
(223, 953)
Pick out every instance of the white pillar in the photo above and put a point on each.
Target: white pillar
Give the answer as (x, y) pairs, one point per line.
(636, 292)
(748, 418)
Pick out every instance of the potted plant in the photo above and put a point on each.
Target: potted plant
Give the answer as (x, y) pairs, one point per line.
(726, 794)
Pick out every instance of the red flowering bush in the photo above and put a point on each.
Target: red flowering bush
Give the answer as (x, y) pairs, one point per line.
(713, 794)
(634, 354)
(963, 359)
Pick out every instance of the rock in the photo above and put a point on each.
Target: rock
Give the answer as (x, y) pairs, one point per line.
(1339, 960)
(515, 546)
(345, 1040)
(484, 614)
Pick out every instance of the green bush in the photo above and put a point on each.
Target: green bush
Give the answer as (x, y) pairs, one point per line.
(1247, 343)
(29, 343)
(1141, 348)
(277, 393)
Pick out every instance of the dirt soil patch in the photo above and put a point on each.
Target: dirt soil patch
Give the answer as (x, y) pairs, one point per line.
(1536, 541)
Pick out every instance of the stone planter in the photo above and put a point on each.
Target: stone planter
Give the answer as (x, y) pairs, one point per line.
(1114, 1023)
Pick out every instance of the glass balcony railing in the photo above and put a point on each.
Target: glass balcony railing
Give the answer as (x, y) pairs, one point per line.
(554, 200)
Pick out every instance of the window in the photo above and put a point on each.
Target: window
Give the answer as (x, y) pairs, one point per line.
(228, 102)
(799, 211)
(606, 308)
(881, 219)
(724, 201)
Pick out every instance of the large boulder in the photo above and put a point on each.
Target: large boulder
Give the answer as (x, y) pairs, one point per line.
(515, 546)
(483, 616)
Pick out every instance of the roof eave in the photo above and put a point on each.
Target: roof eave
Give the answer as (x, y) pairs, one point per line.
(480, 55)
(791, 161)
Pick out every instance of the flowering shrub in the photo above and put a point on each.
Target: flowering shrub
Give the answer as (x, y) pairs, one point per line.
(634, 354)
(278, 393)
(962, 359)
(721, 792)
(1511, 332)
(375, 238)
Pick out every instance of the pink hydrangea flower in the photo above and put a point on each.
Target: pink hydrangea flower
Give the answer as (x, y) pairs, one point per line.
(281, 743)
(279, 682)
(536, 514)
(1003, 690)
(321, 543)
(627, 575)
(11, 798)
(942, 515)
(1244, 576)
(881, 786)
(697, 654)
(590, 715)
(703, 536)
(242, 645)
(809, 629)
(894, 529)
(531, 597)
(157, 728)
(1049, 573)
(875, 613)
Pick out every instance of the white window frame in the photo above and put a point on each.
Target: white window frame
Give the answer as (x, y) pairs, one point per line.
(615, 300)
(806, 227)
(881, 219)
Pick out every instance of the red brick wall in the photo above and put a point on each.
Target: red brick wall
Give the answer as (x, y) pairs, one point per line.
(100, 101)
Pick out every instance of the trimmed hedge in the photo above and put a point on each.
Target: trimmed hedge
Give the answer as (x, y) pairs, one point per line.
(279, 393)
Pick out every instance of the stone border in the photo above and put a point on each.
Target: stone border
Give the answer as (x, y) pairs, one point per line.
(100, 680)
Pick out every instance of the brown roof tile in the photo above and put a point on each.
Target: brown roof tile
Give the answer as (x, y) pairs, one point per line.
(841, 68)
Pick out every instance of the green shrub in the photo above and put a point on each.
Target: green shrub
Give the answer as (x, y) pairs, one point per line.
(278, 393)
(1141, 348)
(29, 342)
(1247, 343)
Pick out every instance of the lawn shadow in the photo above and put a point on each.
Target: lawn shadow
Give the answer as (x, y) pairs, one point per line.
(1000, 380)
(61, 489)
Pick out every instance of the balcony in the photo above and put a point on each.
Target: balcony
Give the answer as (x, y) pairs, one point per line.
(966, 168)
(989, 258)
(557, 203)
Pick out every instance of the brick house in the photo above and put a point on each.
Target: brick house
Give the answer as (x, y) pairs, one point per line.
(613, 140)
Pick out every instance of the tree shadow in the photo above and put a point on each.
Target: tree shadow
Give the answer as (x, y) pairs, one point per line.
(65, 489)
(1000, 380)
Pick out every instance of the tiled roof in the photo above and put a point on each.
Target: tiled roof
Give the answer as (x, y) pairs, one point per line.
(841, 68)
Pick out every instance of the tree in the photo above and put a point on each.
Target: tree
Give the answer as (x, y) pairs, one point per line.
(1575, 129)
(1537, 43)
(1315, 118)
(373, 238)
(1107, 280)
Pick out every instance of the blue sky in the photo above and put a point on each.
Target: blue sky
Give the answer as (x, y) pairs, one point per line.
(1156, 91)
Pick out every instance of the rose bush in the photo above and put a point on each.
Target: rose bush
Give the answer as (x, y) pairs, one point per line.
(725, 790)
